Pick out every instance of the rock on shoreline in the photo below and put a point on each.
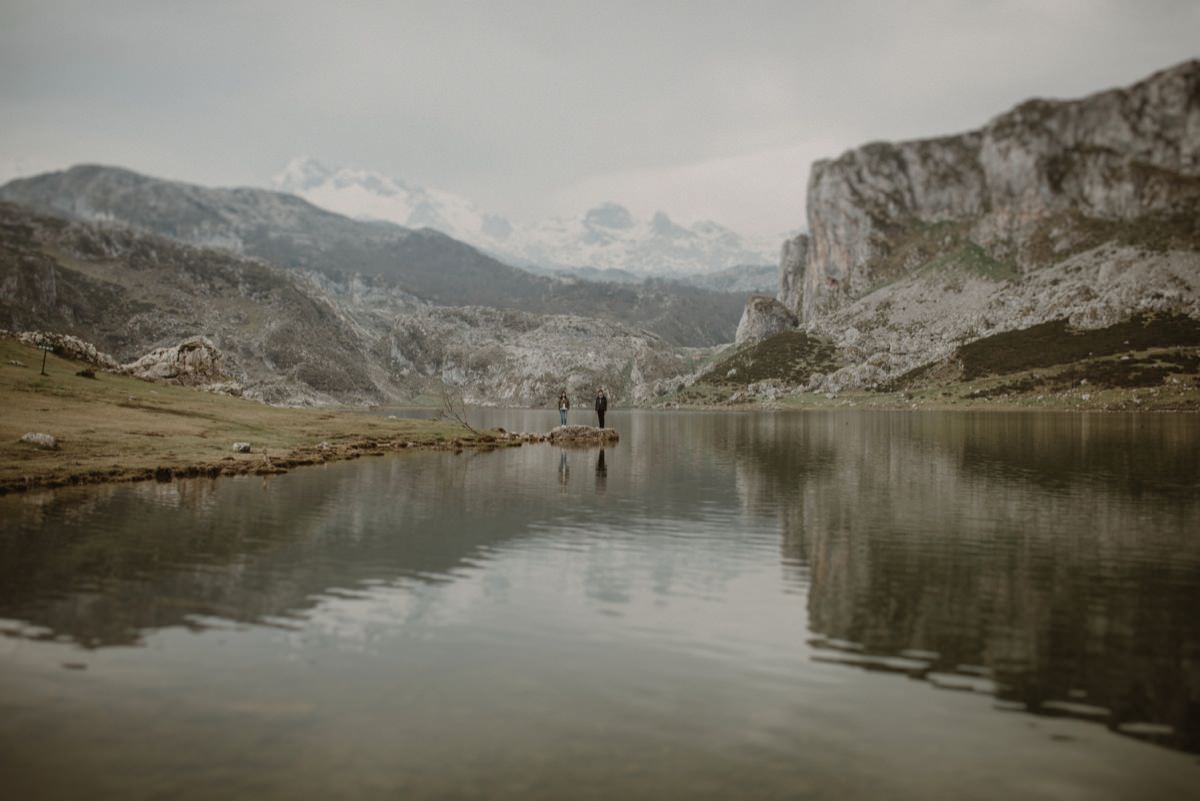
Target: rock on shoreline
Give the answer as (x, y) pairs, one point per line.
(582, 435)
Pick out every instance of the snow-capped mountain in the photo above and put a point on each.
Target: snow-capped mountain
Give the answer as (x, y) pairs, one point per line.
(605, 237)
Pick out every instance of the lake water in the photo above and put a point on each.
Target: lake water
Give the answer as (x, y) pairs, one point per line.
(810, 605)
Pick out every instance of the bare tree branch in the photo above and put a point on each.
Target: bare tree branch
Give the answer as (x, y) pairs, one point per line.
(454, 407)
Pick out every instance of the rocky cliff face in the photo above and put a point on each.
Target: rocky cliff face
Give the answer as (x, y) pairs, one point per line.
(1085, 210)
(792, 260)
(1031, 183)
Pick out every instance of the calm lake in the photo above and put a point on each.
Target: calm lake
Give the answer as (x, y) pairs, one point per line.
(771, 605)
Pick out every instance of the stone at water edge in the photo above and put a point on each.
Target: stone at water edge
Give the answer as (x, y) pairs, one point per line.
(582, 434)
(41, 440)
(241, 447)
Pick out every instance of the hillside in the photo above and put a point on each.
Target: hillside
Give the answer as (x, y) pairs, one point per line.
(304, 337)
(290, 232)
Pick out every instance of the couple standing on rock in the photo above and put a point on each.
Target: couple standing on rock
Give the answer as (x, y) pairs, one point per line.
(601, 404)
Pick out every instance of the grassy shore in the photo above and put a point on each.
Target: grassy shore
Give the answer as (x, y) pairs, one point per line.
(117, 428)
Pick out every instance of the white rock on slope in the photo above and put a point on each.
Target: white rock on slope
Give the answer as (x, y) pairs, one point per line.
(764, 317)
(195, 362)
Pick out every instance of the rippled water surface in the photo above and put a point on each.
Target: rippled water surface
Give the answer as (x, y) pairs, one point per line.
(818, 605)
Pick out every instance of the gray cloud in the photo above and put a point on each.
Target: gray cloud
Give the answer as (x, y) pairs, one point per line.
(706, 109)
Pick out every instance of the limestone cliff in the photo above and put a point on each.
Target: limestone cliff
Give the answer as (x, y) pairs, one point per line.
(792, 260)
(1031, 184)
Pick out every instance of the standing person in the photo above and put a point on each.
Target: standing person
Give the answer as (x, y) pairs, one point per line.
(564, 403)
(601, 404)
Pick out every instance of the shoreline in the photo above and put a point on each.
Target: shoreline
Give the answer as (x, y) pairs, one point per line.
(110, 428)
(116, 429)
(260, 464)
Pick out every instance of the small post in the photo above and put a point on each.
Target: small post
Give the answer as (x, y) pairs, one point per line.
(45, 351)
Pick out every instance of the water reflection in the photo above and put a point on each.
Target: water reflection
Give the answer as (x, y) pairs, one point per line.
(601, 472)
(689, 598)
(1050, 560)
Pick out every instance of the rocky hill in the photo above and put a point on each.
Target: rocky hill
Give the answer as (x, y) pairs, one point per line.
(1086, 211)
(290, 232)
(304, 337)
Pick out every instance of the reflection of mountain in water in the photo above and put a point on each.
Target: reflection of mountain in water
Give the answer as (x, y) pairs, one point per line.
(243, 550)
(1050, 560)
(103, 566)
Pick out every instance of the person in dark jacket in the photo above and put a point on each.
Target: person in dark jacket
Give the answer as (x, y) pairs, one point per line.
(601, 404)
(564, 403)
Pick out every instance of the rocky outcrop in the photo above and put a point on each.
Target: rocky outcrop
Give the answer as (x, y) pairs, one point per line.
(792, 261)
(764, 317)
(195, 362)
(1026, 184)
(47, 441)
(583, 435)
(67, 346)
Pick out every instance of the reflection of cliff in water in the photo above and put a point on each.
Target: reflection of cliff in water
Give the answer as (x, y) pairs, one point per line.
(1043, 558)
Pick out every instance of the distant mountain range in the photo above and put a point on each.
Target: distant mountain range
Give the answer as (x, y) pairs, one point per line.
(607, 237)
(291, 232)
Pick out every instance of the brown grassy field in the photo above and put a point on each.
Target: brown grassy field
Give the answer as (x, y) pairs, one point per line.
(117, 428)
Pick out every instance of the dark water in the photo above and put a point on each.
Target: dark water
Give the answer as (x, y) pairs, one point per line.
(726, 606)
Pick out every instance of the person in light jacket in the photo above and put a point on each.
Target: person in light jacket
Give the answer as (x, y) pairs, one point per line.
(601, 404)
(564, 403)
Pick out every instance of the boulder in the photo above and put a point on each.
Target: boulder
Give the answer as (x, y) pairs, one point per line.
(195, 362)
(582, 435)
(241, 447)
(764, 317)
(47, 441)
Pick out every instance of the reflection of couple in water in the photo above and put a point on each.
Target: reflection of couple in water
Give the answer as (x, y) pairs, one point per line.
(564, 470)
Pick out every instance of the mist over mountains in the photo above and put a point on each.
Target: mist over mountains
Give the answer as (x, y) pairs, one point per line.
(606, 237)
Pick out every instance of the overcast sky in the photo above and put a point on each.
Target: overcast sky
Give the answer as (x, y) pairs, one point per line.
(704, 109)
